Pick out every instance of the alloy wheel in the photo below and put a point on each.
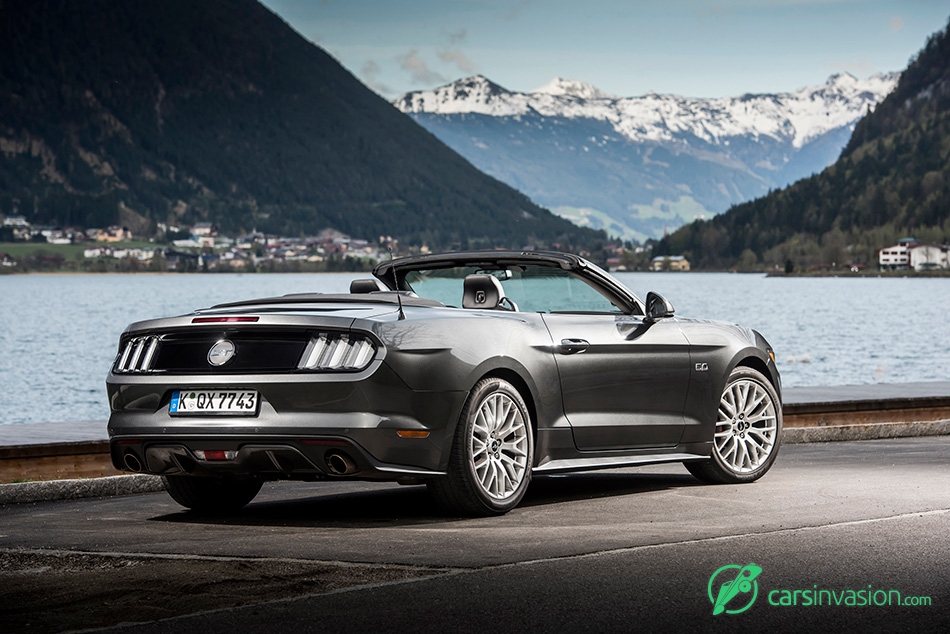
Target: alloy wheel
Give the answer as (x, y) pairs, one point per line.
(499, 446)
(746, 429)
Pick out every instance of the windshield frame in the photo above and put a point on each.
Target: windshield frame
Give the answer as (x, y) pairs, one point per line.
(393, 272)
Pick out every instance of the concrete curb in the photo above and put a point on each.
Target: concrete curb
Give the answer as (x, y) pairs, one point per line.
(870, 431)
(22, 492)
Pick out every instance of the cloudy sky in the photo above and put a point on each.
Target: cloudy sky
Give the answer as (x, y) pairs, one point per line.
(625, 47)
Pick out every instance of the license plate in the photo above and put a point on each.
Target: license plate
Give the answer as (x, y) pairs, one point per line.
(234, 402)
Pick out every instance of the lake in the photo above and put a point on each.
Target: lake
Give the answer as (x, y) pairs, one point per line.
(60, 332)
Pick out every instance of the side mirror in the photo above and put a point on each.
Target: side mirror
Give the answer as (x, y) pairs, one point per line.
(657, 307)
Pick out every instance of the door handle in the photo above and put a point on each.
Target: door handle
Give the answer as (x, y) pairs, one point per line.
(573, 346)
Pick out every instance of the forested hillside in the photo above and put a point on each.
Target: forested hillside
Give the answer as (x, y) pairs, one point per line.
(179, 111)
(892, 180)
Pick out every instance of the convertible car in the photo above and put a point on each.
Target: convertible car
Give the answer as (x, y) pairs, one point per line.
(468, 372)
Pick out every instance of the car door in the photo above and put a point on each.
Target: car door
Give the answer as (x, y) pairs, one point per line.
(623, 381)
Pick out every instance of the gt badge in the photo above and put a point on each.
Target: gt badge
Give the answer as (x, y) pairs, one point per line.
(221, 353)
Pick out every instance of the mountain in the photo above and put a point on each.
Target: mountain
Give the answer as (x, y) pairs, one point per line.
(891, 181)
(179, 111)
(640, 166)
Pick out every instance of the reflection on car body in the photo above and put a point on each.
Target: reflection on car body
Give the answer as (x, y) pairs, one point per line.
(465, 371)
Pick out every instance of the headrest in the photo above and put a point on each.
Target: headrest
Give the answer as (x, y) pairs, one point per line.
(481, 291)
(366, 286)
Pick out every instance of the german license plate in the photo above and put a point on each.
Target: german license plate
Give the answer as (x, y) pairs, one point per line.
(234, 402)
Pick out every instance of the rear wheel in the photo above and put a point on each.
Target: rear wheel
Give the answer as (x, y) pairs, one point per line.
(211, 495)
(748, 431)
(490, 464)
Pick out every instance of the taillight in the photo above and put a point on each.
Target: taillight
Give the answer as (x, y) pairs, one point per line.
(137, 356)
(337, 351)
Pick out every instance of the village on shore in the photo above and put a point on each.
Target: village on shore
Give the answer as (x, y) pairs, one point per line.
(197, 248)
(202, 248)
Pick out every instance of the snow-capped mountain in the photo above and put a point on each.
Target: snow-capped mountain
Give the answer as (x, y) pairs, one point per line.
(642, 165)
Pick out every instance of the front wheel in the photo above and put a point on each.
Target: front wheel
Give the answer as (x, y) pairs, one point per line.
(748, 431)
(492, 452)
(211, 495)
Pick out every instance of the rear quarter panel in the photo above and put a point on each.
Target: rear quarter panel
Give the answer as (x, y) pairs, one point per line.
(449, 350)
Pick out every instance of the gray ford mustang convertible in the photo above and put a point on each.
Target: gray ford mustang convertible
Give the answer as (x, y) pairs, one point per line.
(468, 372)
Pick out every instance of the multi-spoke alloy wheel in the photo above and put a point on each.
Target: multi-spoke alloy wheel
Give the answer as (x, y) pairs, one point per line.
(748, 430)
(499, 450)
(747, 425)
(490, 463)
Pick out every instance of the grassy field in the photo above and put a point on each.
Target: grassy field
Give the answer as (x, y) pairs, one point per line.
(18, 250)
(33, 257)
(68, 251)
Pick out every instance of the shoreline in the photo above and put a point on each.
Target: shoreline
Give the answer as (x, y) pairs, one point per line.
(863, 274)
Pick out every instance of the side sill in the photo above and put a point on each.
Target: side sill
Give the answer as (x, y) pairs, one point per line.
(607, 462)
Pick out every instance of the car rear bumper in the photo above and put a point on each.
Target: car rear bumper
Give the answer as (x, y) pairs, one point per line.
(303, 421)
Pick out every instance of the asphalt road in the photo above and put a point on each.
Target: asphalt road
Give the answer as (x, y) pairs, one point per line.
(623, 550)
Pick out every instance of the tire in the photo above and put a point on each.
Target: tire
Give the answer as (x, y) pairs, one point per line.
(748, 431)
(492, 453)
(211, 495)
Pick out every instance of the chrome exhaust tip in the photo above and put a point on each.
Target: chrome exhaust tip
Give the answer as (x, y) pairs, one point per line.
(340, 463)
(132, 463)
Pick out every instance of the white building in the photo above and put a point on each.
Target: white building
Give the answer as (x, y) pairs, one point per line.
(22, 230)
(911, 254)
(203, 229)
(927, 257)
(897, 256)
(142, 255)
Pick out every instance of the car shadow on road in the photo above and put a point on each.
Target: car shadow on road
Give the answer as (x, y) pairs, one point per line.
(409, 505)
(412, 505)
(555, 489)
